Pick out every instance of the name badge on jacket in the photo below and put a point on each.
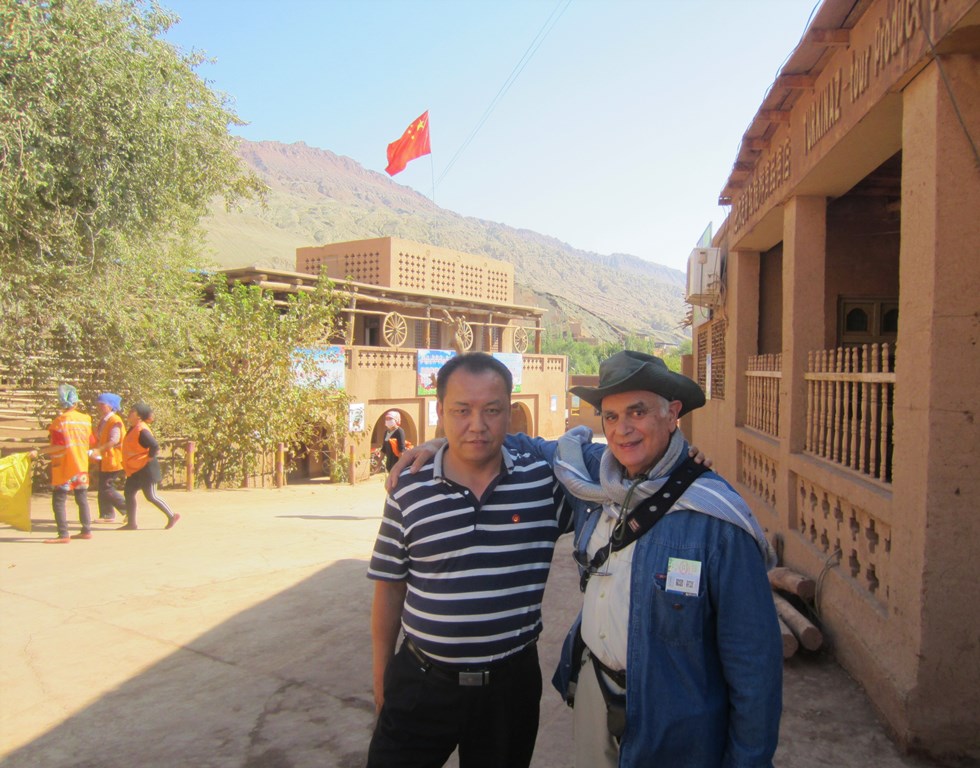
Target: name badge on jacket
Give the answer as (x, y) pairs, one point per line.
(683, 576)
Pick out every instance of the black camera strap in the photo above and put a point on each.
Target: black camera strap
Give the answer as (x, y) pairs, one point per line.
(646, 514)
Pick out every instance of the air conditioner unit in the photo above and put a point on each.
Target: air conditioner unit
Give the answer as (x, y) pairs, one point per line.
(704, 277)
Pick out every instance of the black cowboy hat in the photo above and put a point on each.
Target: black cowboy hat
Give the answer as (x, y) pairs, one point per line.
(628, 371)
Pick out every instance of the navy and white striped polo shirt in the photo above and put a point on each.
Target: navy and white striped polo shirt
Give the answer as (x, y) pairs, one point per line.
(476, 573)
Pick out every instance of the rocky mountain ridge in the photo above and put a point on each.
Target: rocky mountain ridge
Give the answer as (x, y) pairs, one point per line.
(316, 196)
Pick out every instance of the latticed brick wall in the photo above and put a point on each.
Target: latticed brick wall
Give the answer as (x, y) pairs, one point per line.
(711, 341)
(411, 271)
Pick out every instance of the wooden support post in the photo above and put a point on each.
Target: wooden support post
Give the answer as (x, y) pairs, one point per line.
(809, 636)
(281, 465)
(351, 472)
(191, 447)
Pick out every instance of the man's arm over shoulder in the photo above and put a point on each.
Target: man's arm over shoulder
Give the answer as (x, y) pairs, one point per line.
(547, 449)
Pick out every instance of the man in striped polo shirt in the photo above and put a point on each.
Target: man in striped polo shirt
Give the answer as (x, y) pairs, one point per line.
(460, 565)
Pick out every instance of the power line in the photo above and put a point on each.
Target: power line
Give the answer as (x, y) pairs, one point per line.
(539, 38)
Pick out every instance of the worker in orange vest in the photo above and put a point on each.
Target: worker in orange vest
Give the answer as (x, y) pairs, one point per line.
(108, 452)
(71, 437)
(140, 448)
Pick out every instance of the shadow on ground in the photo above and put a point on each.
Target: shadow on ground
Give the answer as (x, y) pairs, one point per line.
(273, 687)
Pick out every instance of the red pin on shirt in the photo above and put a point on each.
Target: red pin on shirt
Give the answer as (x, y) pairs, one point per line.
(515, 519)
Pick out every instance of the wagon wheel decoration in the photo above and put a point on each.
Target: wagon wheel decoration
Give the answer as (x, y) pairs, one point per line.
(395, 329)
(520, 340)
(464, 335)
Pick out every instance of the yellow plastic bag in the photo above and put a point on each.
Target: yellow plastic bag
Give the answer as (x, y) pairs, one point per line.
(15, 491)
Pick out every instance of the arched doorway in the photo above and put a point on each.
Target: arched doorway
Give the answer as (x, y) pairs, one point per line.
(520, 418)
(378, 432)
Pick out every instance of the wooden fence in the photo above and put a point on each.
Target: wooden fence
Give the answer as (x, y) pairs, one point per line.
(850, 396)
(178, 468)
(762, 386)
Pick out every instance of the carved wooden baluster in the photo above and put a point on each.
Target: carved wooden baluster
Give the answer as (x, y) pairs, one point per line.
(852, 409)
(833, 439)
(810, 397)
(874, 428)
(886, 400)
(826, 363)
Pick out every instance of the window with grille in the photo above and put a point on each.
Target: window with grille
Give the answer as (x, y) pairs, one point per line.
(703, 351)
(711, 358)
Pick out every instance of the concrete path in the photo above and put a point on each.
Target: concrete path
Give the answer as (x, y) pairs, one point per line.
(241, 639)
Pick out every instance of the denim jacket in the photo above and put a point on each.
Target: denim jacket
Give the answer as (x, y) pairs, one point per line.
(704, 673)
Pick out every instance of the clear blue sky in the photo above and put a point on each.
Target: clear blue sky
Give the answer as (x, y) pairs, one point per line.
(616, 136)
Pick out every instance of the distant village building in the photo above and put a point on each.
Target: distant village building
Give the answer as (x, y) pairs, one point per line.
(408, 307)
(836, 333)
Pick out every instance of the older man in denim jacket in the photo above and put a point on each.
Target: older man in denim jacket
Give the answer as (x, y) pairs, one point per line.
(676, 658)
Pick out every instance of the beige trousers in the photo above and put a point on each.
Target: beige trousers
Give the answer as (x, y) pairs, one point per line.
(594, 746)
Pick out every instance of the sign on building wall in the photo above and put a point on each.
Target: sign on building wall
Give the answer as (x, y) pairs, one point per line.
(323, 368)
(429, 363)
(355, 417)
(431, 360)
(515, 364)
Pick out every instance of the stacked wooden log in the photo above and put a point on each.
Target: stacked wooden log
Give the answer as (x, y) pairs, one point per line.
(796, 628)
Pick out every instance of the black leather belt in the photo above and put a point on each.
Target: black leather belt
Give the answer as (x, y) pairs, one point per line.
(618, 676)
(465, 677)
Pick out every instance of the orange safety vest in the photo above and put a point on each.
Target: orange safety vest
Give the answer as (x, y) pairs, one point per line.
(75, 429)
(135, 456)
(112, 458)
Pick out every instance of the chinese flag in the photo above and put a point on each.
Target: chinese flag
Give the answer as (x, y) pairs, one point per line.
(413, 143)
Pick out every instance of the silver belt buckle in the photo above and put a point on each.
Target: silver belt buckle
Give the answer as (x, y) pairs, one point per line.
(474, 678)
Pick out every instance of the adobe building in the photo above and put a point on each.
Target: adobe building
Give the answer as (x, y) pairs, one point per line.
(408, 306)
(836, 326)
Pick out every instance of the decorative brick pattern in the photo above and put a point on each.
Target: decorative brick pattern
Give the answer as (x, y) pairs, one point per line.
(444, 276)
(758, 471)
(380, 358)
(310, 264)
(718, 328)
(832, 524)
(535, 364)
(410, 271)
(471, 281)
(498, 286)
(703, 351)
(415, 267)
(711, 340)
(363, 267)
(554, 363)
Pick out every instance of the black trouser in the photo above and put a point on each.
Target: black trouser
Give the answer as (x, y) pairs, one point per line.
(109, 497)
(59, 498)
(143, 481)
(425, 717)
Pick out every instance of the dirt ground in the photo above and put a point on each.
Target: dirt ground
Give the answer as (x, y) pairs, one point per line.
(240, 639)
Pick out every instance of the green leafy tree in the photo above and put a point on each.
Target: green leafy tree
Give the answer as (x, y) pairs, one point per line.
(245, 400)
(111, 148)
(673, 356)
(584, 357)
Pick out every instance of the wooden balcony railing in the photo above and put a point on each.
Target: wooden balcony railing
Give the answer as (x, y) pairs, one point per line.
(762, 387)
(850, 395)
